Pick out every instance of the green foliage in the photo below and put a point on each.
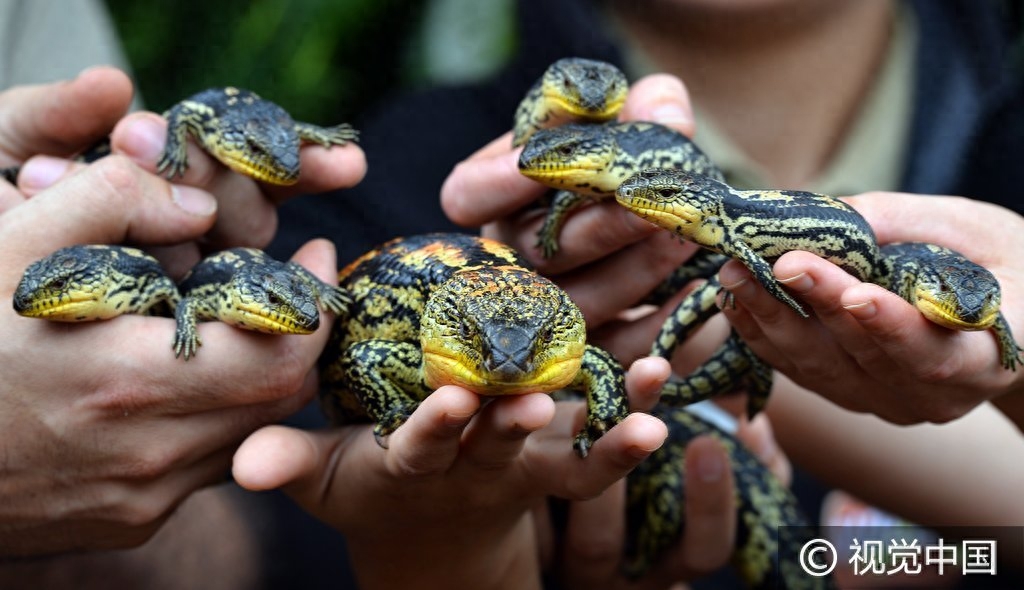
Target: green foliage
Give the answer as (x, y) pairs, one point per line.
(323, 60)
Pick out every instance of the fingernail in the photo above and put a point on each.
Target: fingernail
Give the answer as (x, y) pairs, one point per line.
(671, 114)
(193, 200)
(456, 420)
(42, 172)
(862, 311)
(143, 140)
(710, 468)
(801, 283)
(737, 284)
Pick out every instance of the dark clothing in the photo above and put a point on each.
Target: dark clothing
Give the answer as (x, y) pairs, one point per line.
(967, 138)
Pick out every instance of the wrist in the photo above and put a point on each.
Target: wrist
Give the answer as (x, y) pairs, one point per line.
(494, 559)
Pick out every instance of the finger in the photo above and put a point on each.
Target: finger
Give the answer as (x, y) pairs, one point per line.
(428, 443)
(960, 361)
(644, 381)
(758, 436)
(61, 118)
(142, 137)
(10, 196)
(709, 536)
(482, 190)
(498, 145)
(323, 169)
(773, 330)
(899, 217)
(557, 470)
(234, 367)
(820, 284)
(109, 202)
(661, 98)
(244, 216)
(275, 456)
(497, 436)
(594, 539)
(646, 263)
(39, 173)
(591, 233)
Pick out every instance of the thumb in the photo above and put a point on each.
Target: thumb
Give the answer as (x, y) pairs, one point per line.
(276, 456)
(63, 117)
(109, 202)
(660, 98)
(903, 217)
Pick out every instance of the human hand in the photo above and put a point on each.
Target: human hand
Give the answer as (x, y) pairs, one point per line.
(452, 495)
(105, 432)
(867, 349)
(593, 544)
(600, 243)
(246, 212)
(61, 119)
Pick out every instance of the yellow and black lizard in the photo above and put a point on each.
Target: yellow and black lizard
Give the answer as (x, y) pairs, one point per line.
(588, 162)
(444, 309)
(86, 283)
(770, 527)
(242, 287)
(246, 288)
(757, 227)
(566, 148)
(248, 134)
(571, 90)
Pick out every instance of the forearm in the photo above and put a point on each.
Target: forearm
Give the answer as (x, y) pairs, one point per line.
(920, 472)
(472, 558)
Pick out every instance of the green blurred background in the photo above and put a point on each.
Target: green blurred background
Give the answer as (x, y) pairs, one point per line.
(323, 60)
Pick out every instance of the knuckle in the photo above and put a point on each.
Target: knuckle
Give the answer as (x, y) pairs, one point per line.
(284, 377)
(141, 516)
(119, 398)
(120, 176)
(150, 462)
(410, 467)
(937, 372)
(818, 368)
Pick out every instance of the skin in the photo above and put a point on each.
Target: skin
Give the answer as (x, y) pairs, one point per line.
(100, 452)
(866, 339)
(98, 480)
(745, 61)
(477, 479)
(597, 240)
(245, 209)
(601, 241)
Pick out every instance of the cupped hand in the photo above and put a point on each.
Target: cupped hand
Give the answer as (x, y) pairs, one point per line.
(869, 350)
(105, 431)
(455, 489)
(593, 544)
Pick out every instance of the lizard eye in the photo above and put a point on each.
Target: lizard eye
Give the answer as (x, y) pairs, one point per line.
(274, 298)
(58, 283)
(666, 193)
(566, 150)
